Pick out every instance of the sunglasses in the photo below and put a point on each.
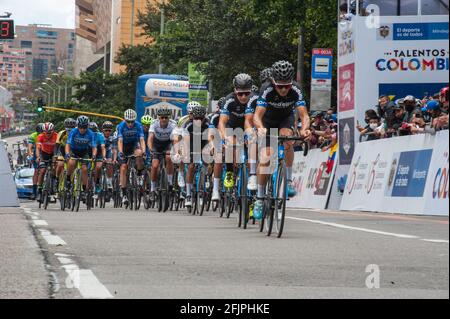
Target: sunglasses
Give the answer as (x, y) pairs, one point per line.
(164, 117)
(286, 86)
(107, 131)
(242, 94)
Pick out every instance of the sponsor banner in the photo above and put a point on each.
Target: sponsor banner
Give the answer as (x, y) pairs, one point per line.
(401, 54)
(436, 190)
(413, 31)
(167, 89)
(312, 180)
(393, 175)
(346, 87)
(346, 140)
(198, 85)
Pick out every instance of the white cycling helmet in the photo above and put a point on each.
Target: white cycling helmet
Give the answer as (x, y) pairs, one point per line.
(192, 105)
(130, 115)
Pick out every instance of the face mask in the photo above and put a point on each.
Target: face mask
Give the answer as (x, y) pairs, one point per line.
(373, 126)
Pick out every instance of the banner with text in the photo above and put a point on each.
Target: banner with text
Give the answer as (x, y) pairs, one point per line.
(198, 85)
(312, 178)
(406, 175)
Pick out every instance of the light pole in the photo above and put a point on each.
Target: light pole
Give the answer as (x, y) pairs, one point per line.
(59, 88)
(47, 93)
(53, 89)
(162, 29)
(60, 77)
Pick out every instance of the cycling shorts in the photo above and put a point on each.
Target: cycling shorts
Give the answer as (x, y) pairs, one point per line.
(161, 147)
(45, 160)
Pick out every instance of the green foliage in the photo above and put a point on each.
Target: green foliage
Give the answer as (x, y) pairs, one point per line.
(235, 35)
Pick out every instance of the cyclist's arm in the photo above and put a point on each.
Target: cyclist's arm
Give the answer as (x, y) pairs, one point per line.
(104, 151)
(142, 142)
(30, 149)
(67, 148)
(257, 119)
(304, 117)
(120, 145)
(222, 125)
(151, 138)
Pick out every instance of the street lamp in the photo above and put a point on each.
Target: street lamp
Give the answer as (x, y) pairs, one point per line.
(47, 93)
(59, 88)
(60, 77)
(53, 89)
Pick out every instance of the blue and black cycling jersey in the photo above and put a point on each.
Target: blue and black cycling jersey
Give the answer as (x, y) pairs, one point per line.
(277, 107)
(130, 135)
(82, 142)
(235, 111)
(100, 141)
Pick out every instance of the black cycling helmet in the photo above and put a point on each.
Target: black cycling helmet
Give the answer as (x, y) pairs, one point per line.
(255, 89)
(199, 112)
(83, 121)
(70, 123)
(243, 81)
(164, 112)
(108, 125)
(283, 71)
(221, 102)
(39, 128)
(265, 75)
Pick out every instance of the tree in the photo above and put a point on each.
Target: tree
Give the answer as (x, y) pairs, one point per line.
(236, 36)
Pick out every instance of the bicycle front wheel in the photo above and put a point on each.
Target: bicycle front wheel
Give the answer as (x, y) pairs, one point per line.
(280, 201)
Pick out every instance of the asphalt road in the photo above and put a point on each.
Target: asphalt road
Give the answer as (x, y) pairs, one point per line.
(145, 254)
(115, 253)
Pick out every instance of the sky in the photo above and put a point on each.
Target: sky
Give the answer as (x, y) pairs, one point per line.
(58, 13)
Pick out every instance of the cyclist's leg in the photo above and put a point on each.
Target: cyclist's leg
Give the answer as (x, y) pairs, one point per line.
(154, 173)
(139, 159)
(190, 183)
(286, 129)
(170, 169)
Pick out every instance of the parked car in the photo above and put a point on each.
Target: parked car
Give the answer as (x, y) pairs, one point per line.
(24, 182)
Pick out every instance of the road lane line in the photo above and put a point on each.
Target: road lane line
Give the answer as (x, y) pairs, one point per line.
(40, 222)
(436, 241)
(355, 228)
(87, 283)
(52, 239)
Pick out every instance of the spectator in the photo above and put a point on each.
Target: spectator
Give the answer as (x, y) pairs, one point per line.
(418, 124)
(443, 98)
(368, 115)
(411, 106)
(438, 118)
(401, 118)
(385, 109)
(374, 130)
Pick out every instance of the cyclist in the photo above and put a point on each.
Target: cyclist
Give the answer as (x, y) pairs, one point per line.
(232, 117)
(130, 142)
(275, 109)
(193, 134)
(82, 143)
(60, 147)
(147, 122)
(101, 155)
(160, 141)
(45, 149)
(107, 128)
(177, 137)
(266, 75)
(32, 157)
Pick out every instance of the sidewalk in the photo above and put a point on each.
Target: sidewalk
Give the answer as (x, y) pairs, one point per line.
(22, 271)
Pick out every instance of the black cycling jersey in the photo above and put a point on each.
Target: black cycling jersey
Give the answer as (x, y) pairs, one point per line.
(214, 122)
(278, 107)
(251, 105)
(235, 111)
(197, 135)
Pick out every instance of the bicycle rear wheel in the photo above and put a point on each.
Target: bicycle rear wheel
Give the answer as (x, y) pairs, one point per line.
(280, 202)
(243, 199)
(201, 194)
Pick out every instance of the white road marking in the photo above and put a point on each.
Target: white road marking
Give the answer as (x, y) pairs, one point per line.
(52, 239)
(436, 241)
(65, 261)
(40, 223)
(355, 228)
(87, 283)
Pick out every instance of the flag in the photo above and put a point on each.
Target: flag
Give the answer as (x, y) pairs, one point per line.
(331, 159)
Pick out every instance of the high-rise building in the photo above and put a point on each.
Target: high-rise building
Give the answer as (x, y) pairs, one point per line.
(107, 24)
(12, 66)
(47, 49)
